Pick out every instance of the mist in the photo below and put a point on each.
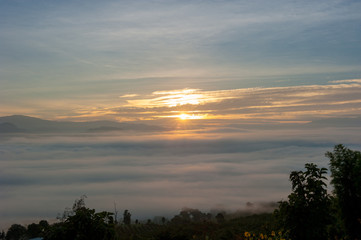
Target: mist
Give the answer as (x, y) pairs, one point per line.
(158, 174)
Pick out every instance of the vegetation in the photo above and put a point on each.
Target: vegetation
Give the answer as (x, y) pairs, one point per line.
(306, 213)
(309, 213)
(83, 223)
(17, 231)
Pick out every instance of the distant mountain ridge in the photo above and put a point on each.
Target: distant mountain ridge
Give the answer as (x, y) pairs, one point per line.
(6, 127)
(25, 124)
(21, 123)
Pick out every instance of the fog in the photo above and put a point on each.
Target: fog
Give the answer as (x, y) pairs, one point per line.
(153, 175)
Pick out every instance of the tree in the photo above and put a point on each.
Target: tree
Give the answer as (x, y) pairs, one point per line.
(220, 218)
(37, 230)
(188, 215)
(44, 225)
(83, 224)
(345, 165)
(126, 217)
(16, 232)
(305, 215)
(34, 230)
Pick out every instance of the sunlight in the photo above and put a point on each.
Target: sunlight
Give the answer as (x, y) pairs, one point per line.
(182, 99)
(170, 99)
(179, 97)
(185, 116)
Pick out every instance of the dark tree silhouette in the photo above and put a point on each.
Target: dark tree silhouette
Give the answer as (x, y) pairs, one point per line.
(83, 224)
(15, 232)
(306, 214)
(345, 167)
(37, 230)
(127, 217)
(34, 230)
(191, 215)
(220, 218)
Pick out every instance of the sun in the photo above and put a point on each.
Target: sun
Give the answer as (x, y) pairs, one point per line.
(185, 116)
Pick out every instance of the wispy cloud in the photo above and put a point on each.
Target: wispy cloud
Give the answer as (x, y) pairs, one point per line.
(129, 95)
(347, 81)
(78, 42)
(302, 103)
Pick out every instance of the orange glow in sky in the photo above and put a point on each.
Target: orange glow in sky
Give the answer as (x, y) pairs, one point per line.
(185, 116)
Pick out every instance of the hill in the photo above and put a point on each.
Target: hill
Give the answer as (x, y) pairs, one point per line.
(20, 123)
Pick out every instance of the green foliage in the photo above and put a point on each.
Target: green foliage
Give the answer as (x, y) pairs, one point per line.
(306, 213)
(345, 165)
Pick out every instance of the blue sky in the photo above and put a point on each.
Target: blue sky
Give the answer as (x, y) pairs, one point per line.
(91, 52)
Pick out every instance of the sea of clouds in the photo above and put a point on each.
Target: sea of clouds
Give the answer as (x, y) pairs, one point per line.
(152, 175)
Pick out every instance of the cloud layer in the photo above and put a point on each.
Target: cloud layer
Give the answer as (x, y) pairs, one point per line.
(150, 175)
(293, 103)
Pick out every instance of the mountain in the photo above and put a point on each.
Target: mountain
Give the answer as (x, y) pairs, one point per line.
(20, 123)
(6, 127)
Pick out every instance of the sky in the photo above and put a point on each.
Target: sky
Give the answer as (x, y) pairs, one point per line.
(246, 90)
